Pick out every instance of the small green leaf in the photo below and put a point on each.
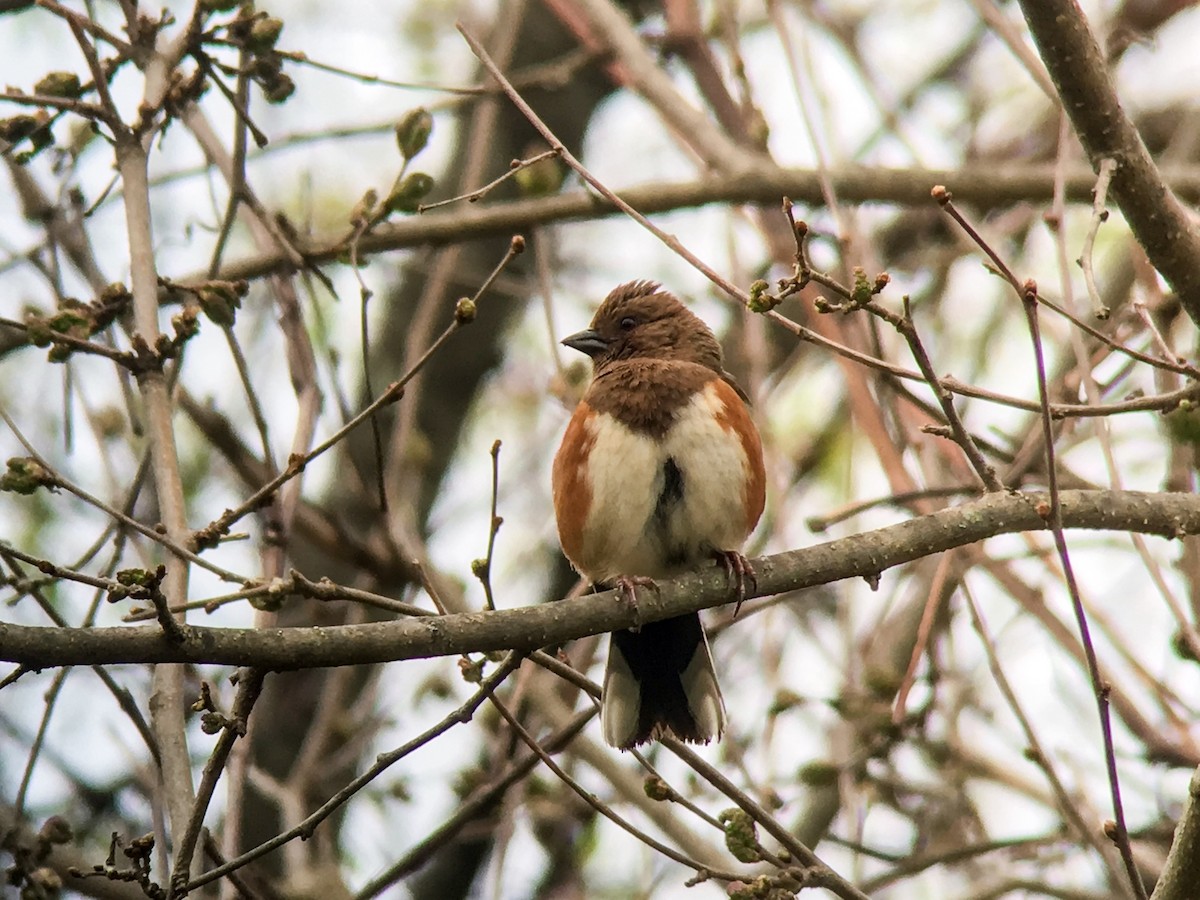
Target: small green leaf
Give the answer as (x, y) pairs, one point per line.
(412, 132)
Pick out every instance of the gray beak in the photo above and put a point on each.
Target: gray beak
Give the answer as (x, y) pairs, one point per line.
(587, 341)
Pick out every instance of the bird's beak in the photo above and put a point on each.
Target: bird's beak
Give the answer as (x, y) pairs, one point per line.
(587, 341)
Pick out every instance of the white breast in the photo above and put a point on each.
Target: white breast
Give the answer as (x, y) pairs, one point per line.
(628, 531)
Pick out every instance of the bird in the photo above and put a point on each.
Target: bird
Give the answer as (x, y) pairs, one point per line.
(660, 469)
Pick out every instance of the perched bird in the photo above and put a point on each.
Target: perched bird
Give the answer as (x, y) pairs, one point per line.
(660, 469)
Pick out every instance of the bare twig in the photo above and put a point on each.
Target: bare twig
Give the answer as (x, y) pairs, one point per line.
(1099, 216)
(602, 808)
(482, 568)
(1053, 516)
(250, 683)
(304, 829)
(478, 194)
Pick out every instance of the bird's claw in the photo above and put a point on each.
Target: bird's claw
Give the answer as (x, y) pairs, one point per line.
(628, 585)
(741, 574)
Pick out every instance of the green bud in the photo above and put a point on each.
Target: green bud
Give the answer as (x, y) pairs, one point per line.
(741, 836)
(761, 299)
(135, 577)
(263, 34)
(18, 128)
(220, 302)
(279, 88)
(38, 141)
(265, 67)
(59, 84)
(38, 330)
(861, 293)
(657, 789)
(464, 314)
(363, 208)
(272, 602)
(1182, 648)
(185, 324)
(406, 196)
(72, 321)
(25, 475)
(116, 292)
(412, 132)
(218, 5)
(784, 700)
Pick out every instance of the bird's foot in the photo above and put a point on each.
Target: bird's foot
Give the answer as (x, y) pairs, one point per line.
(628, 585)
(741, 575)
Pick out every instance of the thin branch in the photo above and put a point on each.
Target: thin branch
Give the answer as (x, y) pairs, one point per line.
(393, 392)
(668, 239)
(1099, 217)
(602, 808)
(483, 568)
(1034, 752)
(250, 682)
(472, 808)
(821, 873)
(119, 515)
(479, 193)
(1053, 515)
(305, 828)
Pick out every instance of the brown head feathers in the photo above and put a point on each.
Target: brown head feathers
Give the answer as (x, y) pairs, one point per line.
(640, 320)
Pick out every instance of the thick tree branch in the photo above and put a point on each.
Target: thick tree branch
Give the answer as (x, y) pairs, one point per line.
(1158, 220)
(985, 187)
(862, 555)
(1181, 874)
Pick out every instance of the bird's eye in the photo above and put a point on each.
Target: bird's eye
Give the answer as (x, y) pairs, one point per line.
(627, 323)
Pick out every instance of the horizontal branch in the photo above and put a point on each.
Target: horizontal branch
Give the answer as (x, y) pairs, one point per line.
(984, 187)
(862, 555)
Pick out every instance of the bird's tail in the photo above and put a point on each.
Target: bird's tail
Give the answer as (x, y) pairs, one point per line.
(660, 681)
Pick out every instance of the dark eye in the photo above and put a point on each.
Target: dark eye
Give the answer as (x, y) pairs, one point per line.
(628, 322)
